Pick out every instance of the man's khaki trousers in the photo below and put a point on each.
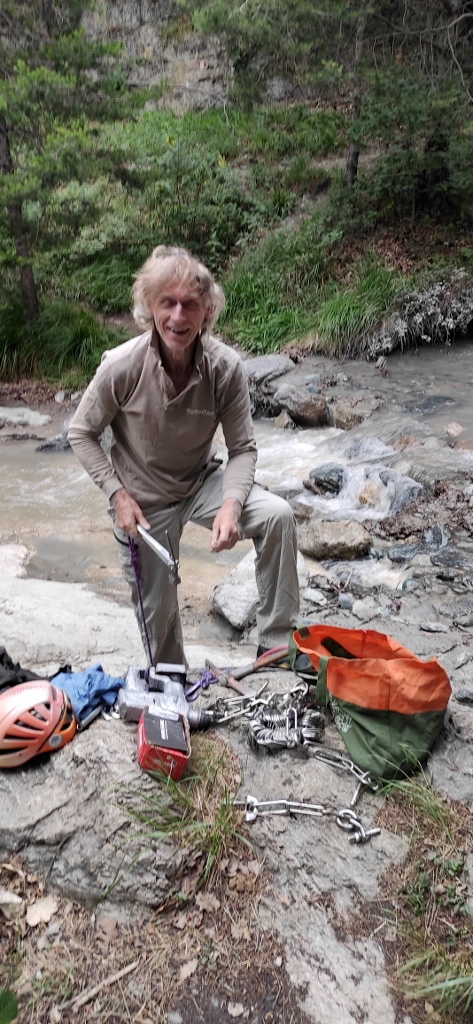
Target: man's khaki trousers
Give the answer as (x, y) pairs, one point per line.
(266, 519)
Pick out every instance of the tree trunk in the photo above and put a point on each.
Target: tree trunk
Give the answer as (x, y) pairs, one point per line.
(354, 150)
(28, 290)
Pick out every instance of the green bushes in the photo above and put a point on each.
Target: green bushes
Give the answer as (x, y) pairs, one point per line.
(345, 317)
(272, 292)
(64, 339)
(268, 133)
(103, 284)
(282, 291)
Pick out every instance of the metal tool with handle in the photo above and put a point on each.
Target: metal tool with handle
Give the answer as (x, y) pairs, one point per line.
(167, 557)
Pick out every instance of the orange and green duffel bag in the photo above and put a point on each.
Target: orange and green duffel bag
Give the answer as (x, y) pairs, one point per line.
(387, 703)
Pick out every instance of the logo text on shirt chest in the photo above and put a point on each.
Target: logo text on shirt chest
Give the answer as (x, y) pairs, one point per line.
(199, 412)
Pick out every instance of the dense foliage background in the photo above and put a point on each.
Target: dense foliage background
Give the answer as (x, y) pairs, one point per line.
(317, 213)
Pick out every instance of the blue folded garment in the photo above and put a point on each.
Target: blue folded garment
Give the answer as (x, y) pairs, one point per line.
(89, 689)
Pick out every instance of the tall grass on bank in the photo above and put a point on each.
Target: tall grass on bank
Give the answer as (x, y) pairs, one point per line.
(104, 284)
(271, 292)
(345, 318)
(64, 340)
(283, 290)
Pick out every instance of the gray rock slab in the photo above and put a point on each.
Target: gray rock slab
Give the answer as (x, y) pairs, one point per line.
(311, 858)
(326, 540)
(236, 596)
(267, 368)
(345, 981)
(69, 815)
(304, 408)
(44, 623)
(18, 416)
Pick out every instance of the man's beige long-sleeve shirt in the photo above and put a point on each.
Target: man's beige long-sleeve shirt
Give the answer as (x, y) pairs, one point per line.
(162, 442)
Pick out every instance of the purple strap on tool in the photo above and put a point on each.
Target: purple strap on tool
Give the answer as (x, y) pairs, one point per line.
(135, 561)
(206, 679)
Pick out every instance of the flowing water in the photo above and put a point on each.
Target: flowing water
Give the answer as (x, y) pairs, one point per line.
(49, 503)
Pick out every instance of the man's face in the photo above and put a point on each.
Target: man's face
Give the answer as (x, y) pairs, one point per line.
(179, 314)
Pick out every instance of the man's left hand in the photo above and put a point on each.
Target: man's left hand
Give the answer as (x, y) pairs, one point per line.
(225, 530)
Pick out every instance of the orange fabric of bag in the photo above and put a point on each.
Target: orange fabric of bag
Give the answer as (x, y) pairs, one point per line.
(377, 673)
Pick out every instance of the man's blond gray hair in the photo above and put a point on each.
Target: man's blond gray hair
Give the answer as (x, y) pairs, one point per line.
(167, 266)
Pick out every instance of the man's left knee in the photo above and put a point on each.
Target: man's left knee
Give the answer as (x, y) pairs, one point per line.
(281, 514)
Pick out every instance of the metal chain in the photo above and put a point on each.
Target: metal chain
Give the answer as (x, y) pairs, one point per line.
(284, 721)
(345, 818)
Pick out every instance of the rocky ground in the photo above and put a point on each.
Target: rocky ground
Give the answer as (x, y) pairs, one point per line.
(294, 923)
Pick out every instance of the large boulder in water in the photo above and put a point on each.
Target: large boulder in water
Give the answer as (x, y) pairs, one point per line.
(347, 412)
(304, 408)
(328, 477)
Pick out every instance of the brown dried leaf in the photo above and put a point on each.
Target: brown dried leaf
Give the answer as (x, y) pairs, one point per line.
(11, 905)
(195, 919)
(207, 901)
(235, 1009)
(188, 969)
(107, 930)
(242, 883)
(190, 881)
(240, 931)
(233, 866)
(180, 921)
(13, 869)
(41, 910)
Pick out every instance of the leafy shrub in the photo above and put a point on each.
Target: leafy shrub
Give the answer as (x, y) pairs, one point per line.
(8, 1006)
(104, 284)
(190, 198)
(198, 202)
(64, 338)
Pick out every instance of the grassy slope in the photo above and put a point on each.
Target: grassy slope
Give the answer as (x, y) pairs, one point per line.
(261, 198)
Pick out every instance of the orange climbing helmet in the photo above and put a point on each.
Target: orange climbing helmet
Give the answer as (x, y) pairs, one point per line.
(35, 718)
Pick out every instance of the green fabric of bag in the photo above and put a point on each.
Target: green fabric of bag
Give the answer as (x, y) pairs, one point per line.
(387, 703)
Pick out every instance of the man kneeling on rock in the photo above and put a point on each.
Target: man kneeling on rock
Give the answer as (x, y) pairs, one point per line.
(164, 394)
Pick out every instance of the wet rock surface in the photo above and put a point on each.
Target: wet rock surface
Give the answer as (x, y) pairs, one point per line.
(304, 408)
(322, 540)
(70, 817)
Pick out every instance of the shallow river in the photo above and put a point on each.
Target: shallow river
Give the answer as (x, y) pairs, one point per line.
(49, 503)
